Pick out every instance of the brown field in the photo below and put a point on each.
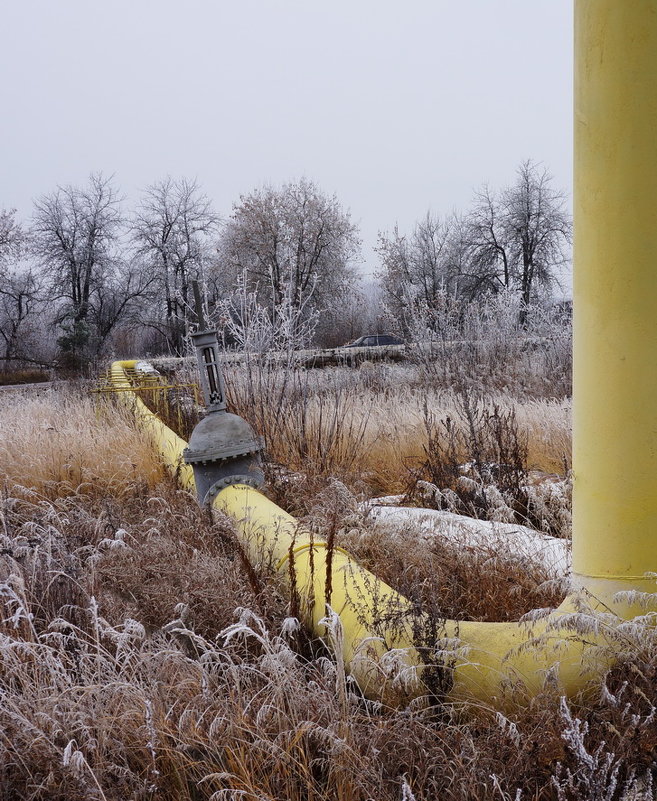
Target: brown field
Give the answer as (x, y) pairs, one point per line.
(99, 551)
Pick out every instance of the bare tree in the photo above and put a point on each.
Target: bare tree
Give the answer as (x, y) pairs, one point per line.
(19, 292)
(539, 228)
(172, 230)
(20, 304)
(489, 266)
(295, 246)
(75, 236)
(518, 238)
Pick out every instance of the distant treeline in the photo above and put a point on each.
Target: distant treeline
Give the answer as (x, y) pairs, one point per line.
(85, 277)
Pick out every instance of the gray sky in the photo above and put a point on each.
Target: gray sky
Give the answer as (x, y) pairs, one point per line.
(397, 107)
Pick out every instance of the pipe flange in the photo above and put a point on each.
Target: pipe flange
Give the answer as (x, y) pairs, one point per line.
(250, 480)
(222, 453)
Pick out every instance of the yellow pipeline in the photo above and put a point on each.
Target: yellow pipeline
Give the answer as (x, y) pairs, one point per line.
(169, 445)
(375, 618)
(615, 395)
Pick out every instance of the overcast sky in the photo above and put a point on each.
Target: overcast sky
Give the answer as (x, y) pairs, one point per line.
(397, 107)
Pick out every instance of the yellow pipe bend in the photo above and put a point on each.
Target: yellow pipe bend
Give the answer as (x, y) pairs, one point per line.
(481, 660)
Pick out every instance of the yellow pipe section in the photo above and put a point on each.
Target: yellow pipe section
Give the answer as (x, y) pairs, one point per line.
(615, 294)
(615, 443)
(479, 660)
(169, 445)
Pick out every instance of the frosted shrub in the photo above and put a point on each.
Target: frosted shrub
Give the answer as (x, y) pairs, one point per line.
(245, 323)
(483, 345)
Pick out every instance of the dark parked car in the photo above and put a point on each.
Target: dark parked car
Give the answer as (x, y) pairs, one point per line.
(375, 340)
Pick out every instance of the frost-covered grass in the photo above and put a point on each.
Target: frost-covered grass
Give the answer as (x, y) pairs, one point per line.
(373, 418)
(64, 441)
(140, 659)
(382, 429)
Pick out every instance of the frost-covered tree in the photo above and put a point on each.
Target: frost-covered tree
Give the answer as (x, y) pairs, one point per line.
(420, 269)
(173, 230)
(20, 306)
(12, 237)
(295, 246)
(19, 293)
(75, 237)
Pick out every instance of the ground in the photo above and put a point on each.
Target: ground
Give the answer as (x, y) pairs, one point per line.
(141, 657)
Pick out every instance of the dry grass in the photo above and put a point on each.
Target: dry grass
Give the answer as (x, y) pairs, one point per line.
(101, 699)
(397, 438)
(370, 421)
(452, 581)
(378, 427)
(60, 442)
(446, 579)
